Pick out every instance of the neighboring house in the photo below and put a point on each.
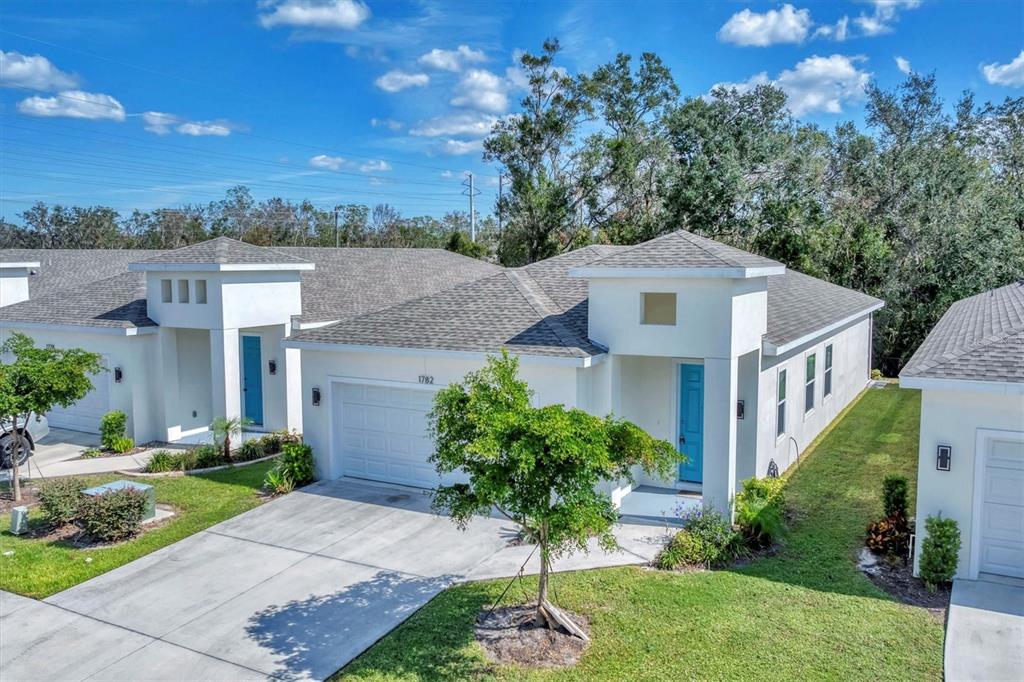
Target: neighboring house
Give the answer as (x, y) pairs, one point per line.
(739, 361)
(970, 371)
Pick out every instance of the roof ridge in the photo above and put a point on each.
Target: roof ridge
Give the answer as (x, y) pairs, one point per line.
(545, 307)
(960, 351)
(685, 234)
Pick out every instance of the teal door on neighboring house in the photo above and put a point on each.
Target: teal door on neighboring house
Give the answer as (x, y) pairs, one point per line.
(252, 379)
(691, 422)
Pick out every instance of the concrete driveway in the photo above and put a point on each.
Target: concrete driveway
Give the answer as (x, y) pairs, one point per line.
(293, 589)
(985, 630)
(63, 444)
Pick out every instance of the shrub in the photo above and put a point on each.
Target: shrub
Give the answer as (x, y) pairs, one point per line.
(940, 551)
(122, 444)
(162, 461)
(760, 510)
(271, 443)
(876, 374)
(250, 450)
(59, 499)
(296, 463)
(206, 456)
(278, 482)
(890, 536)
(112, 427)
(707, 539)
(113, 516)
(894, 496)
(91, 453)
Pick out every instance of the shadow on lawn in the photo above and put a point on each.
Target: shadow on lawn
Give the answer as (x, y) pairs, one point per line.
(312, 638)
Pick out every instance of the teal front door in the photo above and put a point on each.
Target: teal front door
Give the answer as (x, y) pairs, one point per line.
(691, 422)
(252, 379)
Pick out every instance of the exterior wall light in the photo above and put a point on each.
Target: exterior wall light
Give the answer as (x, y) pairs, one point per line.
(740, 409)
(944, 457)
(118, 375)
(316, 396)
(273, 367)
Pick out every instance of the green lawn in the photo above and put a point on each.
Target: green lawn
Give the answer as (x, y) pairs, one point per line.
(805, 614)
(39, 568)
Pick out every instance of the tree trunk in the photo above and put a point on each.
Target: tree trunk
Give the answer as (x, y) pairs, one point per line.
(15, 478)
(542, 587)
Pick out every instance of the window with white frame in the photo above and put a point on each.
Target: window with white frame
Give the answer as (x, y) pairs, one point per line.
(828, 370)
(780, 409)
(200, 291)
(658, 308)
(165, 290)
(182, 291)
(809, 383)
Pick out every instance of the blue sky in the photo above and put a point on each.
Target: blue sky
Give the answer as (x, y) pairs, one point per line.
(157, 104)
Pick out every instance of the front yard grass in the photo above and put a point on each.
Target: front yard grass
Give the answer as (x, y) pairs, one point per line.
(39, 568)
(804, 613)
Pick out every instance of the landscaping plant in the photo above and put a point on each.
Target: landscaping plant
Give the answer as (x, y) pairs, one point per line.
(162, 461)
(224, 429)
(890, 536)
(296, 463)
(204, 456)
(940, 551)
(113, 516)
(894, 495)
(278, 482)
(122, 444)
(538, 466)
(112, 427)
(250, 450)
(59, 499)
(34, 381)
(707, 539)
(760, 511)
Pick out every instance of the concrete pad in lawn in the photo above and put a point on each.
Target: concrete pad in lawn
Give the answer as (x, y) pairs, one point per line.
(422, 543)
(165, 589)
(43, 642)
(159, 661)
(308, 621)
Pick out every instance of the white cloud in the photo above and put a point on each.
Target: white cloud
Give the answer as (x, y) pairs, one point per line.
(460, 147)
(815, 84)
(786, 25)
(388, 123)
(331, 14)
(483, 90)
(159, 122)
(205, 128)
(1011, 74)
(885, 14)
(327, 162)
(462, 123)
(903, 65)
(838, 32)
(375, 166)
(452, 60)
(74, 104)
(35, 72)
(446, 174)
(395, 80)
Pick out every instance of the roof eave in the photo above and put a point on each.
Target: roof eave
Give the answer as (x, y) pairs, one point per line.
(331, 347)
(22, 265)
(972, 385)
(79, 328)
(220, 267)
(729, 272)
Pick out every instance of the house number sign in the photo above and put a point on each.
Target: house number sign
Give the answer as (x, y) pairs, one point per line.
(426, 379)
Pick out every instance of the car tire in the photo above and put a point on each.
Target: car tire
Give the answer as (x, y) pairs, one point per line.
(7, 447)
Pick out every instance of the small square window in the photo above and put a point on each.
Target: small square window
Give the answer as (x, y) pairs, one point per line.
(182, 291)
(165, 290)
(200, 291)
(658, 308)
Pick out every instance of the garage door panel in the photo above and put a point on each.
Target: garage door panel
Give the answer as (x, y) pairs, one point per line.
(1004, 486)
(1001, 541)
(85, 415)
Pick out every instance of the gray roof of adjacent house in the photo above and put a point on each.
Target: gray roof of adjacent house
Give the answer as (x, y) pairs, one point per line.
(980, 338)
(222, 251)
(65, 268)
(683, 250)
(800, 305)
(117, 302)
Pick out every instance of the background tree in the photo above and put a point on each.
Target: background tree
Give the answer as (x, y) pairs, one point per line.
(35, 380)
(540, 467)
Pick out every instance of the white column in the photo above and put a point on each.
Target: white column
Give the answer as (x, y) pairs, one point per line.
(720, 391)
(225, 373)
(293, 385)
(169, 410)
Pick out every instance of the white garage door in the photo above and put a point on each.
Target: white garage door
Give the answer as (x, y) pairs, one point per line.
(85, 415)
(383, 434)
(1002, 510)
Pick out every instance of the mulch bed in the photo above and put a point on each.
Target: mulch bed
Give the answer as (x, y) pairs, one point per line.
(510, 635)
(29, 498)
(896, 579)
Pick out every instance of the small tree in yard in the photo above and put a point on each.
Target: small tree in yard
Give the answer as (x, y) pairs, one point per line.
(223, 429)
(34, 381)
(540, 467)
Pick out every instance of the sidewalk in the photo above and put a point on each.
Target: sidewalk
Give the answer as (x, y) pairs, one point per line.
(80, 467)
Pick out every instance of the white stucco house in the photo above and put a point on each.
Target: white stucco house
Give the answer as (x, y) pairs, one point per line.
(738, 360)
(970, 370)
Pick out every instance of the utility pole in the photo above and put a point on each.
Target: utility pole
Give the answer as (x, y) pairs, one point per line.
(501, 189)
(472, 192)
(336, 242)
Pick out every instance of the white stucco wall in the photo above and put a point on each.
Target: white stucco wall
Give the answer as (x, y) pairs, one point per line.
(953, 417)
(13, 285)
(137, 395)
(850, 374)
(234, 299)
(193, 396)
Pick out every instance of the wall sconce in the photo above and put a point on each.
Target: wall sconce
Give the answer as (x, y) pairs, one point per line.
(273, 367)
(944, 457)
(316, 396)
(740, 409)
(118, 375)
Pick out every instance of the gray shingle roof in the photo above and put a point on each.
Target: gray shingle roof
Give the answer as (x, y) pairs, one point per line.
(64, 268)
(223, 250)
(980, 338)
(682, 249)
(799, 305)
(118, 302)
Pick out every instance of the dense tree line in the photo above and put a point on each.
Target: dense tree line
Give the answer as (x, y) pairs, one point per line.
(921, 208)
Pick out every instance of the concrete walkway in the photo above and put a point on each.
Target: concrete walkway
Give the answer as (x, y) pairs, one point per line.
(294, 589)
(985, 630)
